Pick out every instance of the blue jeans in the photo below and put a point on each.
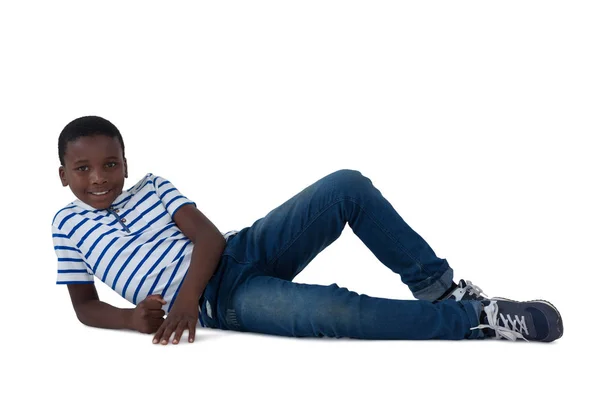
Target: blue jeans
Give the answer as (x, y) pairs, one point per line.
(252, 289)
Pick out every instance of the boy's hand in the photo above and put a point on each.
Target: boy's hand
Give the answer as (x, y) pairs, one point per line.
(148, 315)
(181, 317)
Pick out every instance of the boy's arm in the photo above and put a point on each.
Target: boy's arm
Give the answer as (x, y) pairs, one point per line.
(208, 248)
(146, 317)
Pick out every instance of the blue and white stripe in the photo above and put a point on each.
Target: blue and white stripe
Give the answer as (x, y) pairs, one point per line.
(134, 247)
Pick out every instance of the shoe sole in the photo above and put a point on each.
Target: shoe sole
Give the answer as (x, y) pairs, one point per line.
(553, 334)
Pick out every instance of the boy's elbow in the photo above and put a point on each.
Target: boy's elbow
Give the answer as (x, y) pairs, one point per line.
(82, 315)
(87, 312)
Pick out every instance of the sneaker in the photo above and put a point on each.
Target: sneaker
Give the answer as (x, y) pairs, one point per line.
(536, 320)
(465, 290)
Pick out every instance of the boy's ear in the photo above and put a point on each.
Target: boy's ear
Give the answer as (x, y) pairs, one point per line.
(63, 176)
(125, 164)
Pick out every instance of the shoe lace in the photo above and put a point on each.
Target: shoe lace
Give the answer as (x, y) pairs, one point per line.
(513, 328)
(474, 289)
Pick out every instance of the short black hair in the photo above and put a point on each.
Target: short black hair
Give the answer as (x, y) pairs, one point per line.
(86, 126)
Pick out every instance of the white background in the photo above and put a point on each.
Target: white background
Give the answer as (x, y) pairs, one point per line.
(478, 121)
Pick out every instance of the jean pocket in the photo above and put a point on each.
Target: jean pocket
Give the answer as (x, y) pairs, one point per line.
(237, 248)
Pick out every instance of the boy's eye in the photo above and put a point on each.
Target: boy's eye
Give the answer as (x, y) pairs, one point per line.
(82, 168)
(111, 164)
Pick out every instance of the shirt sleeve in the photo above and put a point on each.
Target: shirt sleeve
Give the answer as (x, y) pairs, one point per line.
(72, 268)
(171, 198)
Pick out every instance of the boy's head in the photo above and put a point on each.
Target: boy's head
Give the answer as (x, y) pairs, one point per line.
(92, 158)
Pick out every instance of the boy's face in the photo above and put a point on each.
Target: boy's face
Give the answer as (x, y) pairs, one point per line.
(94, 169)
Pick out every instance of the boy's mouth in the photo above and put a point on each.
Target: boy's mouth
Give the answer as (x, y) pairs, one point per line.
(100, 193)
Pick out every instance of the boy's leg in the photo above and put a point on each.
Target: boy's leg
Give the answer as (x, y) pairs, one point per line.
(270, 305)
(282, 243)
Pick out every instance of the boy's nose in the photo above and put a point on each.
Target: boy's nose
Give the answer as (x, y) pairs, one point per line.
(98, 177)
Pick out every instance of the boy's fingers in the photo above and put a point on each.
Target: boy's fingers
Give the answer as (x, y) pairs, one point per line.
(159, 333)
(156, 297)
(167, 332)
(156, 313)
(179, 331)
(192, 332)
(154, 304)
(156, 325)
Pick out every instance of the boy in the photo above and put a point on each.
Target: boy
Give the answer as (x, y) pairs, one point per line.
(156, 249)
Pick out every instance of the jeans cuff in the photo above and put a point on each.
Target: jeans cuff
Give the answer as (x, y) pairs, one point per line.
(474, 308)
(437, 288)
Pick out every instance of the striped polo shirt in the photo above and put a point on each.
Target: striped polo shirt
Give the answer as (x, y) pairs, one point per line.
(134, 246)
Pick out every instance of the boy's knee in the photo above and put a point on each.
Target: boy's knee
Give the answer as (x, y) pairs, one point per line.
(349, 180)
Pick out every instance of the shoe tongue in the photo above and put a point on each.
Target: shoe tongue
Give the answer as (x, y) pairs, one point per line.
(484, 321)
